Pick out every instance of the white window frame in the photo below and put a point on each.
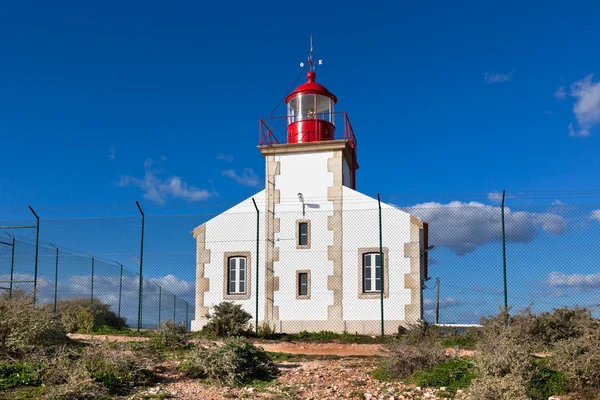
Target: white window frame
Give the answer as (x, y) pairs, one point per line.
(371, 277)
(238, 268)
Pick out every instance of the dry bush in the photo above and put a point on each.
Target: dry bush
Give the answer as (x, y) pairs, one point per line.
(171, 337)
(79, 385)
(23, 326)
(78, 315)
(578, 358)
(404, 359)
(235, 363)
(421, 331)
(112, 366)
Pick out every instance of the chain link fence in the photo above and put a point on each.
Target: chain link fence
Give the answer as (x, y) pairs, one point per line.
(550, 251)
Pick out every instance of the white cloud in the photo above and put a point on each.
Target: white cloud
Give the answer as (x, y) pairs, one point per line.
(495, 196)
(225, 157)
(248, 177)
(576, 281)
(560, 93)
(177, 286)
(587, 105)
(463, 227)
(112, 153)
(492, 77)
(158, 189)
(596, 215)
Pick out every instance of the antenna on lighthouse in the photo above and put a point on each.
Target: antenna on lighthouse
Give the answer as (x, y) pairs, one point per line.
(310, 57)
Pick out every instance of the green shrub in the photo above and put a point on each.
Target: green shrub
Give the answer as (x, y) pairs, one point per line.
(78, 315)
(545, 382)
(18, 373)
(227, 320)
(265, 331)
(23, 326)
(452, 374)
(560, 324)
(171, 337)
(404, 359)
(235, 363)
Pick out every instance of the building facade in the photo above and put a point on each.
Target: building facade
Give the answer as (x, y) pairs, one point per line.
(319, 265)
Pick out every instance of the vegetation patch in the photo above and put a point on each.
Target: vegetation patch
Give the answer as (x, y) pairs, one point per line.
(453, 374)
(15, 374)
(235, 363)
(227, 320)
(171, 337)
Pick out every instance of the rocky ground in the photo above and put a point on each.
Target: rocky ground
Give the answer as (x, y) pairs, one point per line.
(342, 378)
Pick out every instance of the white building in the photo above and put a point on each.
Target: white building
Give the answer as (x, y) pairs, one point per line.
(319, 264)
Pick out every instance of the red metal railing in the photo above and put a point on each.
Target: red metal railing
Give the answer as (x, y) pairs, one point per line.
(273, 127)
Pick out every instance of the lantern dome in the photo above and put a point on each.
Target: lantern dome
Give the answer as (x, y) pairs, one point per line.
(310, 112)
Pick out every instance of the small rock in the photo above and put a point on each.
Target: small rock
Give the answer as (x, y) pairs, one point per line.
(368, 396)
(250, 390)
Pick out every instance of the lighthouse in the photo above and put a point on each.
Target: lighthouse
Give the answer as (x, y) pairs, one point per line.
(307, 252)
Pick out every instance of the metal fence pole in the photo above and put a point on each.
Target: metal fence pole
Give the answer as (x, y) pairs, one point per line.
(56, 281)
(437, 301)
(159, 304)
(504, 257)
(257, 264)
(12, 269)
(141, 270)
(92, 293)
(382, 265)
(120, 289)
(37, 249)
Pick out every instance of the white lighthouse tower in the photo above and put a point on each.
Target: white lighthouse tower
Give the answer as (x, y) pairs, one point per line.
(318, 265)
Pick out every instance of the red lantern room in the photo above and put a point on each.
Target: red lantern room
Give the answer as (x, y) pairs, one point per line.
(310, 112)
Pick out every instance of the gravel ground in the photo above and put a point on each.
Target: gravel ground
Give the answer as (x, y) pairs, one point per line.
(344, 378)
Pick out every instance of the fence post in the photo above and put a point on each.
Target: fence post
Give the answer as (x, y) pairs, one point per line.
(141, 270)
(437, 300)
(257, 264)
(92, 293)
(382, 265)
(120, 289)
(55, 278)
(504, 258)
(37, 249)
(12, 269)
(174, 308)
(159, 304)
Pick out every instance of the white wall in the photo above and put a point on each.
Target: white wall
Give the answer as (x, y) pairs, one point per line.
(307, 174)
(361, 229)
(235, 231)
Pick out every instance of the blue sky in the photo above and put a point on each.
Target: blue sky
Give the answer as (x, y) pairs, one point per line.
(112, 102)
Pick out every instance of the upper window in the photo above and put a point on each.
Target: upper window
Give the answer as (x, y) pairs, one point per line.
(236, 275)
(303, 234)
(371, 272)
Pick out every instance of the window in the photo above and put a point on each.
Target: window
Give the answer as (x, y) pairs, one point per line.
(303, 285)
(371, 272)
(237, 275)
(237, 268)
(303, 234)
